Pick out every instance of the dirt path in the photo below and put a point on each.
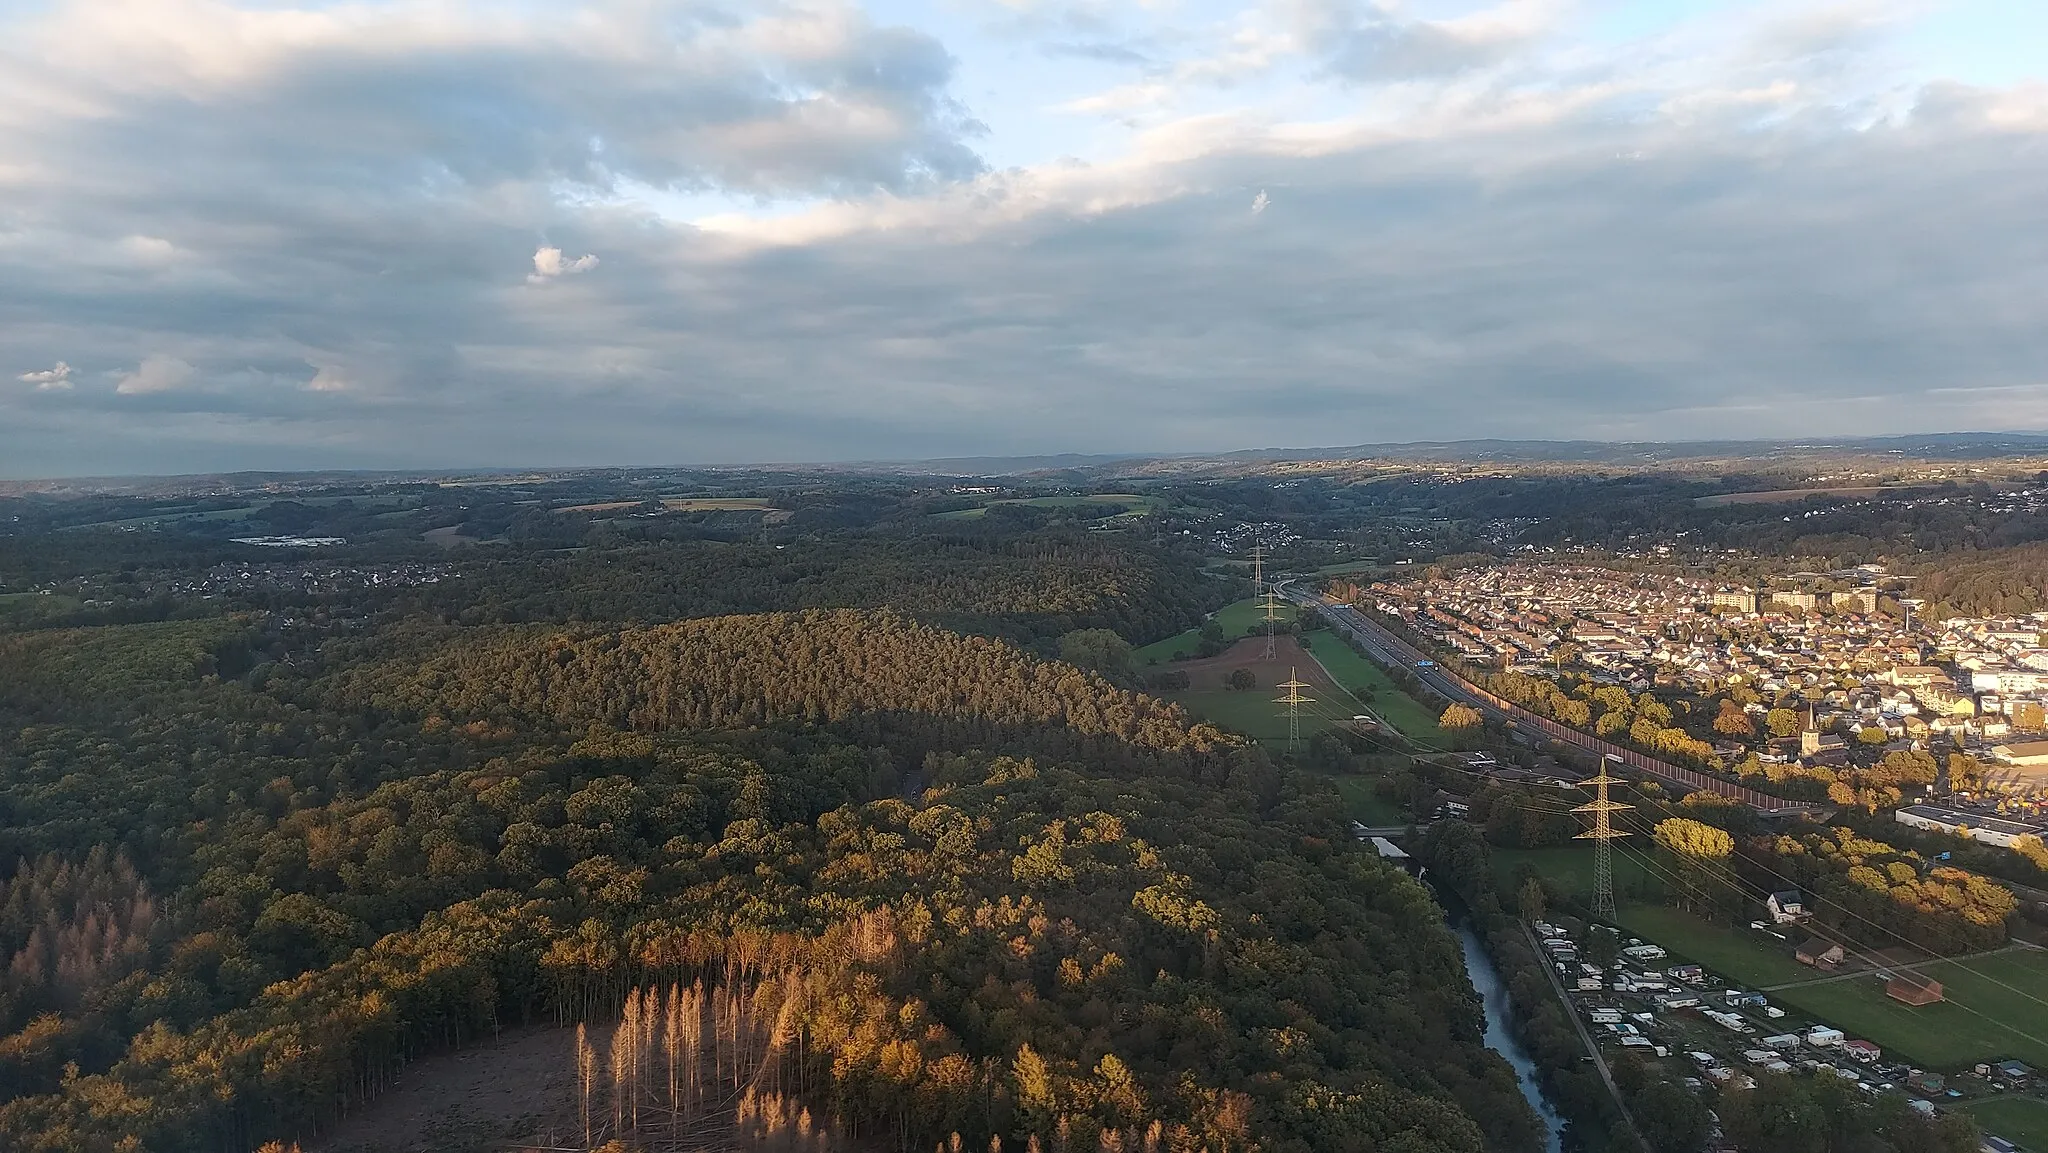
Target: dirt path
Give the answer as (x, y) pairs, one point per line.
(520, 1086)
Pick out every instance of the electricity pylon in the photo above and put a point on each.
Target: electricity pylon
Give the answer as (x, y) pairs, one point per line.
(1271, 603)
(1603, 834)
(1267, 598)
(1293, 700)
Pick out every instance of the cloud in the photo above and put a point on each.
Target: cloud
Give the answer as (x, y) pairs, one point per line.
(548, 264)
(329, 378)
(53, 379)
(156, 373)
(804, 257)
(1370, 41)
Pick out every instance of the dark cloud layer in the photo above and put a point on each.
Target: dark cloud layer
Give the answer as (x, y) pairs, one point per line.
(319, 249)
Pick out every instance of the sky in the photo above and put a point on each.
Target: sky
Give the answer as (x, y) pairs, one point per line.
(282, 234)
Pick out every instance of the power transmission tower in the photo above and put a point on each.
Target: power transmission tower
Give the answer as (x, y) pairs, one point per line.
(1603, 834)
(1267, 599)
(1271, 603)
(1293, 700)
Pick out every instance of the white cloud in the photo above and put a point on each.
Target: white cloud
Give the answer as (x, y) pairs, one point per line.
(329, 378)
(156, 373)
(549, 264)
(53, 379)
(149, 249)
(1260, 202)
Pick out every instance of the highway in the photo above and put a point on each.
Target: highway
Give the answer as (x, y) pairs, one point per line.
(1392, 651)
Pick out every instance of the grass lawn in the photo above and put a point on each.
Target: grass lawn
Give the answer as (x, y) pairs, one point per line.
(1356, 672)
(1949, 1034)
(1236, 620)
(1744, 956)
(1364, 805)
(1941, 1036)
(2020, 1119)
(1251, 712)
(1569, 867)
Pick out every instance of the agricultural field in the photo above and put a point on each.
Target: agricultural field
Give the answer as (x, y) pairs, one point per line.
(682, 504)
(169, 516)
(716, 503)
(1253, 711)
(2023, 1120)
(1783, 495)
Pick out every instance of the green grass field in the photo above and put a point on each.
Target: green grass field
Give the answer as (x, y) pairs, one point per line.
(1744, 956)
(1997, 1006)
(1236, 620)
(1354, 672)
(1362, 804)
(1994, 1009)
(1569, 867)
(1251, 712)
(2023, 1120)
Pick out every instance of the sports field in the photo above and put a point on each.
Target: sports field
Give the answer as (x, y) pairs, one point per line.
(1996, 1007)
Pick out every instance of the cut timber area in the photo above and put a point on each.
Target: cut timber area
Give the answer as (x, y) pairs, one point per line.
(479, 1097)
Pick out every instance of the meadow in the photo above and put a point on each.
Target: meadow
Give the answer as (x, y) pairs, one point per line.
(1409, 717)
(1995, 1009)
(2023, 1120)
(1236, 619)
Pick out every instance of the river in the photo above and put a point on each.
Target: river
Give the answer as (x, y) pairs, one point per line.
(1486, 982)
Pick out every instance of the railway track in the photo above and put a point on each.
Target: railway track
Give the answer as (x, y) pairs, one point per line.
(1390, 650)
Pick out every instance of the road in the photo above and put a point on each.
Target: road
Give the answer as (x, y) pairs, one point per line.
(1392, 651)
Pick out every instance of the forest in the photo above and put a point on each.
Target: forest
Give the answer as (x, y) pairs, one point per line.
(843, 872)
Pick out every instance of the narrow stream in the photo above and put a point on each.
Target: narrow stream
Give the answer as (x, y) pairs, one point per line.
(1486, 982)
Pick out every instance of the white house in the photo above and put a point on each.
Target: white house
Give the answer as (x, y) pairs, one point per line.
(1786, 907)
